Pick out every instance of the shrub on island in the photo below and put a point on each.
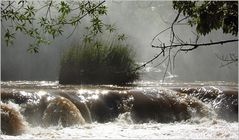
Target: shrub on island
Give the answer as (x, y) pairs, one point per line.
(98, 63)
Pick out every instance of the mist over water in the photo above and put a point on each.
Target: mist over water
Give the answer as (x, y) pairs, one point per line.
(197, 100)
(140, 21)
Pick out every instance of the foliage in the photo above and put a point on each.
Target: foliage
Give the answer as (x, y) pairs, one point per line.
(98, 63)
(39, 20)
(209, 15)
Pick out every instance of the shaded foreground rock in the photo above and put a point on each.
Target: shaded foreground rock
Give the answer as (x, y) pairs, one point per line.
(12, 122)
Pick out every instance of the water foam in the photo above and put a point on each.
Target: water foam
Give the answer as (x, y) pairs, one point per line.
(206, 129)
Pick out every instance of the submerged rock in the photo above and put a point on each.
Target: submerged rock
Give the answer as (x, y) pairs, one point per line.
(12, 122)
(32, 104)
(224, 102)
(79, 103)
(62, 111)
(108, 106)
(165, 106)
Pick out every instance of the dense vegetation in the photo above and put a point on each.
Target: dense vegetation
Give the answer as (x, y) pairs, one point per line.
(98, 63)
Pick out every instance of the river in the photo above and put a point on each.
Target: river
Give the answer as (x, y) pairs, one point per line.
(142, 110)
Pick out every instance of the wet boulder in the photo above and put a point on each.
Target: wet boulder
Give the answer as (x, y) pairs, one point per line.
(62, 111)
(205, 94)
(82, 105)
(108, 106)
(165, 106)
(12, 122)
(226, 105)
(161, 108)
(32, 104)
(223, 101)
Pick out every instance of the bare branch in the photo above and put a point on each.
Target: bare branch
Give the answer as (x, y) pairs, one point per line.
(169, 64)
(49, 9)
(195, 45)
(174, 56)
(161, 61)
(169, 27)
(9, 5)
(158, 35)
(72, 31)
(227, 60)
(151, 60)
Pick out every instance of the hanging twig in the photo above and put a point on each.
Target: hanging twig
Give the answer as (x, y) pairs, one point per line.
(162, 61)
(172, 41)
(227, 61)
(151, 60)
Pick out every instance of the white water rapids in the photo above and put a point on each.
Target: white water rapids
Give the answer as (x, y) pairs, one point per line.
(199, 129)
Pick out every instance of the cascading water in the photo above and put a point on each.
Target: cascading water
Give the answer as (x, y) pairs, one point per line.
(148, 110)
(145, 109)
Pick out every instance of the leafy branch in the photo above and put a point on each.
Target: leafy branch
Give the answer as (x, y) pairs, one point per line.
(25, 16)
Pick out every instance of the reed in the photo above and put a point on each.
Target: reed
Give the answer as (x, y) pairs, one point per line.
(98, 63)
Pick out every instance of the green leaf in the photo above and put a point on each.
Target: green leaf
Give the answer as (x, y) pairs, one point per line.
(9, 37)
(33, 49)
(110, 27)
(64, 8)
(122, 37)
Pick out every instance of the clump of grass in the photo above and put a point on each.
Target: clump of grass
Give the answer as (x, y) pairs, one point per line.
(98, 63)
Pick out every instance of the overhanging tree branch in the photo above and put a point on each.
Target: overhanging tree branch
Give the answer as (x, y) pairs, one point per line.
(81, 17)
(25, 17)
(178, 45)
(151, 60)
(194, 46)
